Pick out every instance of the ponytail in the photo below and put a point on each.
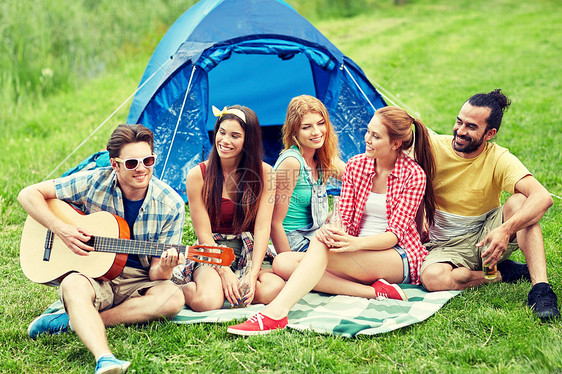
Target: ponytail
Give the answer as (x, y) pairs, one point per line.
(414, 136)
(424, 157)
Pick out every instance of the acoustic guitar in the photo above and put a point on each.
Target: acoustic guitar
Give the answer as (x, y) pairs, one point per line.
(45, 259)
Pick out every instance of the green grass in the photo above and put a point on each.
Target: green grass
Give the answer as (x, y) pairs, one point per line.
(432, 55)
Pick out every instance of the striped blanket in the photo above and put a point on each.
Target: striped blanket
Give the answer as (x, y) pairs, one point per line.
(338, 315)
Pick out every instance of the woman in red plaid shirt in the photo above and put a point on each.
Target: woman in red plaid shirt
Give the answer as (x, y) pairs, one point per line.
(379, 243)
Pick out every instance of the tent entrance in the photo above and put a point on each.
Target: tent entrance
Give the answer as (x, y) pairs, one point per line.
(264, 83)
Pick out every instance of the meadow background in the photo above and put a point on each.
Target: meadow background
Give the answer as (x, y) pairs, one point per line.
(66, 65)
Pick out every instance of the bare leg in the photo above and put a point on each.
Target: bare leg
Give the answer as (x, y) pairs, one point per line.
(162, 301)
(303, 279)
(349, 273)
(268, 287)
(78, 295)
(205, 292)
(442, 276)
(530, 241)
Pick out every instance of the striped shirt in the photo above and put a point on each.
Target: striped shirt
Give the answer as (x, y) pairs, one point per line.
(161, 216)
(405, 191)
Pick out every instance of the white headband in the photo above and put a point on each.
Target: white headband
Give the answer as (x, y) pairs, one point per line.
(237, 112)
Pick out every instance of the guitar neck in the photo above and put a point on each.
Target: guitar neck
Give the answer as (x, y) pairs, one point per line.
(134, 247)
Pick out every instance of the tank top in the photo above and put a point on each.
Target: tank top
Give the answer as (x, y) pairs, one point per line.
(227, 212)
(299, 214)
(374, 219)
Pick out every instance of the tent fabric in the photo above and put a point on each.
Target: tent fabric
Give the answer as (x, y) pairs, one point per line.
(97, 160)
(256, 53)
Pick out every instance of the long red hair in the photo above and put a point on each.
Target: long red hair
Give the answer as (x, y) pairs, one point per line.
(297, 109)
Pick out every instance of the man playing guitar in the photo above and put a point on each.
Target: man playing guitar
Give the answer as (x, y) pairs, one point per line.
(154, 212)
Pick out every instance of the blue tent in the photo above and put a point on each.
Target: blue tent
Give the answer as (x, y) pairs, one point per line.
(256, 53)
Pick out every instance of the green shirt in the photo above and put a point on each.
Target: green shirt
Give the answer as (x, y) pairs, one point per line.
(299, 213)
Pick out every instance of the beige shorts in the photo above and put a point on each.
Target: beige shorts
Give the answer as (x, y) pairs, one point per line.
(130, 283)
(462, 250)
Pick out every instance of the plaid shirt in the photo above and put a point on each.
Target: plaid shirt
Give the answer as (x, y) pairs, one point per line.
(405, 191)
(184, 273)
(161, 216)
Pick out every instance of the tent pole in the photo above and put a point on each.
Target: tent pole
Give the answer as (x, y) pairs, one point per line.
(400, 104)
(107, 119)
(178, 122)
(359, 87)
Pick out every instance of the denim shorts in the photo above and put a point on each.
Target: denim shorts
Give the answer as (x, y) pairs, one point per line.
(405, 263)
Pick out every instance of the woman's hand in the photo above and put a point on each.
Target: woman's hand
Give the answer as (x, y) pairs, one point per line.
(324, 236)
(230, 285)
(247, 290)
(340, 241)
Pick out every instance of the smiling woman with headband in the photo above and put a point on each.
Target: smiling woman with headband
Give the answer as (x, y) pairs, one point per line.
(231, 203)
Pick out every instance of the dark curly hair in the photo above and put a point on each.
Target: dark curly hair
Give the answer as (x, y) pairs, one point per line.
(498, 104)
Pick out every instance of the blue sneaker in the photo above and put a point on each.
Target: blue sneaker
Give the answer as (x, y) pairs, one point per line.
(111, 365)
(53, 323)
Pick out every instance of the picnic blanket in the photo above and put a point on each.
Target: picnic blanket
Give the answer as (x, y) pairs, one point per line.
(346, 316)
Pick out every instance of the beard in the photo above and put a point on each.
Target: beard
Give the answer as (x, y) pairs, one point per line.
(471, 146)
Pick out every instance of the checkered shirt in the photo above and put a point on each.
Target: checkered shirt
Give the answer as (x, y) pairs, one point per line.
(184, 273)
(405, 191)
(161, 216)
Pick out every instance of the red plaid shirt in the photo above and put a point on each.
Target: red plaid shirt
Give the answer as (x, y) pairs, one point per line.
(405, 190)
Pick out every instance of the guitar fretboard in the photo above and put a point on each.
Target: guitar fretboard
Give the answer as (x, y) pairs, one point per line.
(135, 247)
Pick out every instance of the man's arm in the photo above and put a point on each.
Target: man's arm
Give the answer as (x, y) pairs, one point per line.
(171, 233)
(34, 200)
(537, 202)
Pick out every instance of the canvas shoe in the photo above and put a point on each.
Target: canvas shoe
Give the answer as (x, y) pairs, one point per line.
(111, 365)
(385, 290)
(543, 301)
(512, 271)
(52, 323)
(258, 324)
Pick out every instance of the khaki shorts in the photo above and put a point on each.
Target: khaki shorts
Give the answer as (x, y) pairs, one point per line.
(130, 283)
(462, 250)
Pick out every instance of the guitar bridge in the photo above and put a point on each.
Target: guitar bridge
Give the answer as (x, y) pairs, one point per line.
(48, 245)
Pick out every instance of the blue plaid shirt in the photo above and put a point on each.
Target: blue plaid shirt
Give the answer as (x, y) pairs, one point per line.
(161, 216)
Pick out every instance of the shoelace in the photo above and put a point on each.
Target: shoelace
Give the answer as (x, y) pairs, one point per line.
(381, 295)
(543, 300)
(257, 318)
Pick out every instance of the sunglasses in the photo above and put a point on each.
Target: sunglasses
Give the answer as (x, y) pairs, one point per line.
(133, 163)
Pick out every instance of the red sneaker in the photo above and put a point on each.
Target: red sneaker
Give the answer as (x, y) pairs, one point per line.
(258, 324)
(385, 290)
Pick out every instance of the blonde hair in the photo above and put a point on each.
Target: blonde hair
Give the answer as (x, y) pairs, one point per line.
(297, 109)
